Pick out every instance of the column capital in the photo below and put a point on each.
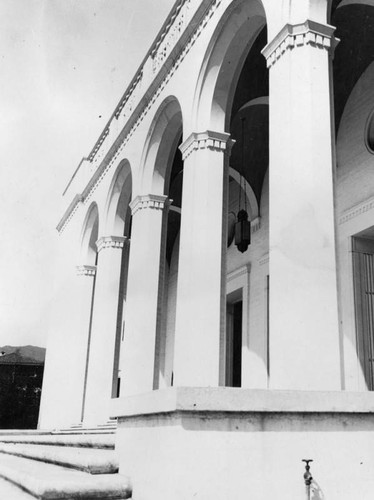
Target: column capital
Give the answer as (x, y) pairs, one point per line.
(217, 141)
(152, 201)
(298, 35)
(111, 242)
(84, 270)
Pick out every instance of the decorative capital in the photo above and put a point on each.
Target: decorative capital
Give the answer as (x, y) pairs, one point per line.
(152, 201)
(111, 242)
(297, 35)
(242, 271)
(86, 270)
(217, 141)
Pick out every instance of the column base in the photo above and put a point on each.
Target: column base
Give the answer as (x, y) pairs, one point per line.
(220, 443)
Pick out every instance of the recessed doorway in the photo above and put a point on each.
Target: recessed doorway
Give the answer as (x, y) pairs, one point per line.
(234, 322)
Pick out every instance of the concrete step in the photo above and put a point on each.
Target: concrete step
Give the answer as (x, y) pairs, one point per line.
(109, 426)
(98, 440)
(52, 482)
(9, 491)
(23, 432)
(93, 461)
(82, 430)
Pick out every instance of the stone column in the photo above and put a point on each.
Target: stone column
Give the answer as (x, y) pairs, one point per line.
(144, 293)
(100, 373)
(201, 301)
(304, 338)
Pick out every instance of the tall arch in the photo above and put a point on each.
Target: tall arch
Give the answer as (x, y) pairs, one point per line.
(354, 21)
(119, 196)
(88, 262)
(160, 146)
(89, 236)
(223, 62)
(118, 224)
(231, 96)
(156, 220)
(163, 173)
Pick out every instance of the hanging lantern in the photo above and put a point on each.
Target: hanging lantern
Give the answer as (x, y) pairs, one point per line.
(242, 231)
(243, 225)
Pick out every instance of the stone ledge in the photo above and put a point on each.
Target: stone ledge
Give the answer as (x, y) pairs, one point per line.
(233, 400)
(227, 399)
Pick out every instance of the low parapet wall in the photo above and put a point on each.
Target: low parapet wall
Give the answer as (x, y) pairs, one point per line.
(234, 443)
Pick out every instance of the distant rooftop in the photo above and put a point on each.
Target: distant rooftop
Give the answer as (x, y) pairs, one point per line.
(22, 355)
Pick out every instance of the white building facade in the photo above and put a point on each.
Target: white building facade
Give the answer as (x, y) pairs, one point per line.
(226, 368)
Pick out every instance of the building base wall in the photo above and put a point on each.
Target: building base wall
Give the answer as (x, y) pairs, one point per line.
(186, 443)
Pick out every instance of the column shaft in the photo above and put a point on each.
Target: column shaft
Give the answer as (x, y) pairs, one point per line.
(104, 332)
(200, 314)
(304, 339)
(144, 293)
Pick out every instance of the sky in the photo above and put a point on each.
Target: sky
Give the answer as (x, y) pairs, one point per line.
(64, 65)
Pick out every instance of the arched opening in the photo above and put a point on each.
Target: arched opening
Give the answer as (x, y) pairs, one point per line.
(353, 73)
(354, 21)
(174, 184)
(89, 237)
(232, 97)
(163, 173)
(118, 223)
(89, 260)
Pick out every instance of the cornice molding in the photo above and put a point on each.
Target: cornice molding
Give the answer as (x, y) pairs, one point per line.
(242, 271)
(357, 210)
(111, 242)
(216, 141)
(136, 102)
(151, 201)
(86, 270)
(298, 35)
(70, 211)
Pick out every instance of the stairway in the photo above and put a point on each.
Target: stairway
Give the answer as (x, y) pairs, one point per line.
(75, 463)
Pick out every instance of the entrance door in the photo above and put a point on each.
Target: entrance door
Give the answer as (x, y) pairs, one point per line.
(234, 321)
(363, 270)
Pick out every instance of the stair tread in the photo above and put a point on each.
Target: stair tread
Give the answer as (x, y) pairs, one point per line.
(52, 482)
(9, 491)
(102, 440)
(95, 461)
(106, 431)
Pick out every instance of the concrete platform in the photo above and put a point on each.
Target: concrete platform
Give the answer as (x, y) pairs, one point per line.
(220, 443)
(238, 400)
